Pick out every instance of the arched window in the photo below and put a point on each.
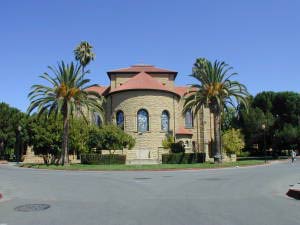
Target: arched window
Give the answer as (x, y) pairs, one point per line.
(97, 119)
(189, 119)
(142, 121)
(120, 119)
(165, 121)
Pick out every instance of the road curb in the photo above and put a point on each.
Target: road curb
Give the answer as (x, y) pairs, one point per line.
(269, 163)
(154, 170)
(294, 193)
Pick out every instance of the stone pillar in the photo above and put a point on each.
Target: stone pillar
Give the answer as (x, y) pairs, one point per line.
(206, 151)
(29, 151)
(206, 132)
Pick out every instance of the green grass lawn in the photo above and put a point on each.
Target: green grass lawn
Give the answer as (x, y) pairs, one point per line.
(145, 167)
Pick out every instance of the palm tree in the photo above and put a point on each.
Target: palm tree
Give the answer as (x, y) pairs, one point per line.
(67, 95)
(215, 91)
(84, 54)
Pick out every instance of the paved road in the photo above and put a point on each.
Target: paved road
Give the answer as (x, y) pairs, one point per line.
(236, 196)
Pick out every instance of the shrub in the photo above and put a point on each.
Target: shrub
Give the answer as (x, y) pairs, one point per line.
(183, 158)
(167, 142)
(110, 137)
(243, 154)
(98, 159)
(233, 141)
(177, 147)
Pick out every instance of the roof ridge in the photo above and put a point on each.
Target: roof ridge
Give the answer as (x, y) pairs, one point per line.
(143, 80)
(142, 67)
(137, 76)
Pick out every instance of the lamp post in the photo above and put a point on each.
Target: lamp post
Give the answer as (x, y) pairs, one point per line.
(18, 144)
(263, 126)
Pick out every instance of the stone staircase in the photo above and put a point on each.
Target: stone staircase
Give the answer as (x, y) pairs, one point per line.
(142, 162)
(141, 157)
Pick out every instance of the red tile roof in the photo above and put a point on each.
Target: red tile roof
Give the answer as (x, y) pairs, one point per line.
(181, 90)
(142, 68)
(142, 81)
(183, 130)
(100, 89)
(184, 90)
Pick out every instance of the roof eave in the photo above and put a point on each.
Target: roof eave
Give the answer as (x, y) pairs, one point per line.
(136, 72)
(143, 89)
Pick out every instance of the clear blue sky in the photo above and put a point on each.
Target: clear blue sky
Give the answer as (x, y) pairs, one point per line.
(259, 38)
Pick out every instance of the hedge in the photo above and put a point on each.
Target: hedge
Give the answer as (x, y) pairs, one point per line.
(183, 158)
(102, 159)
(261, 158)
(177, 147)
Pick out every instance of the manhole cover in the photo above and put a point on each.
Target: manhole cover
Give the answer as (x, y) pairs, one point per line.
(167, 176)
(142, 178)
(32, 207)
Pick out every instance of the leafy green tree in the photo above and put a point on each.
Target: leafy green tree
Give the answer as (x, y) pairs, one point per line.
(45, 134)
(84, 54)
(216, 91)
(79, 135)
(229, 119)
(280, 112)
(264, 101)
(286, 107)
(67, 95)
(287, 138)
(110, 137)
(233, 141)
(252, 121)
(10, 119)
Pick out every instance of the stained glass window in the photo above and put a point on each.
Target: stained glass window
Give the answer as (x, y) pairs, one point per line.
(120, 119)
(165, 121)
(97, 119)
(142, 120)
(189, 119)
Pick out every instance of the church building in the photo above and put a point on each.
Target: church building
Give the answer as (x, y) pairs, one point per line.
(144, 101)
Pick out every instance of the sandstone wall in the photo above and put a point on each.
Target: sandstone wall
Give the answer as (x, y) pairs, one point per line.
(155, 102)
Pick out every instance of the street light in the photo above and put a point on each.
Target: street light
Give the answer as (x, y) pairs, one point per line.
(18, 152)
(263, 126)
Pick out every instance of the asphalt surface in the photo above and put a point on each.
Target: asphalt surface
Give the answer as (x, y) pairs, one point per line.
(235, 196)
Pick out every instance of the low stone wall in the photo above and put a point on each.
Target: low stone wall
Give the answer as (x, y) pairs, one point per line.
(35, 159)
(229, 158)
(39, 159)
(30, 157)
(116, 152)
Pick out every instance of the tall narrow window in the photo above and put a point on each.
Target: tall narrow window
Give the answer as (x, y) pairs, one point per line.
(142, 121)
(97, 119)
(120, 119)
(165, 121)
(189, 119)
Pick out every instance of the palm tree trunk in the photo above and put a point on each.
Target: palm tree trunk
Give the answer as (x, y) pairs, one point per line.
(217, 131)
(64, 153)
